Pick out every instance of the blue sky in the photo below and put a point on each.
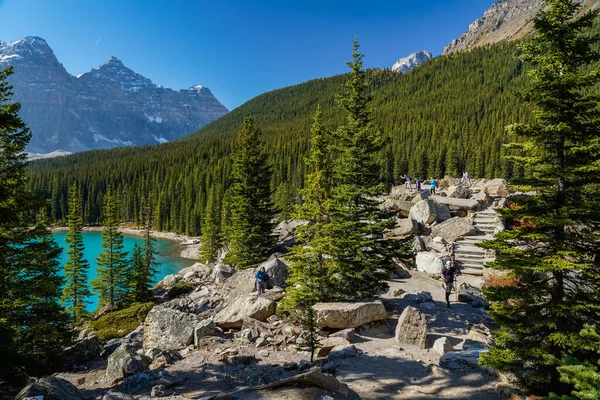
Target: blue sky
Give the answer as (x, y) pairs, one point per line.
(239, 49)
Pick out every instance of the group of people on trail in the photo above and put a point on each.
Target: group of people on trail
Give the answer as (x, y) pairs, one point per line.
(449, 273)
(464, 180)
(408, 183)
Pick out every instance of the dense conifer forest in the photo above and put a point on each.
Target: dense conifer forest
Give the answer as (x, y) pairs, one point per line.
(444, 117)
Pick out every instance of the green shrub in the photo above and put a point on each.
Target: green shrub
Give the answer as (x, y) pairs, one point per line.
(119, 323)
(180, 288)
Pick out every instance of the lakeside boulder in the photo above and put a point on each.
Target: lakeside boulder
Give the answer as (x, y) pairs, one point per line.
(168, 329)
(243, 307)
(496, 187)
(123, 362)
(349, 314)
(404, 227)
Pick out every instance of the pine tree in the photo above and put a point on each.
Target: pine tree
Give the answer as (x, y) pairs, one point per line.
(312, 271)
(75, 271)
(33, 326)
(552, 251)
(111, 281)
(363, 260)
(251, 207)
(143, 262)
(211, 240)
(308, 319)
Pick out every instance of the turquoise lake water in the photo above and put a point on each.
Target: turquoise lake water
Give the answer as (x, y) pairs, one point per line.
(168, 258)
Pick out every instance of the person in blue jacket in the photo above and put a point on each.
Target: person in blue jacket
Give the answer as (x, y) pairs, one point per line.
(261, 280)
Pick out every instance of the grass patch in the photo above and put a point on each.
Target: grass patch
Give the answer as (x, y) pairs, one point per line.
(119, 323)
(180, 288)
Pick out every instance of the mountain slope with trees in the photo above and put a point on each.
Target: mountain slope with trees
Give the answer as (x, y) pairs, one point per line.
(442, 118)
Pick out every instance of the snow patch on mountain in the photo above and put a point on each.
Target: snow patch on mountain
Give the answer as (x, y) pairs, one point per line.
(406, 64)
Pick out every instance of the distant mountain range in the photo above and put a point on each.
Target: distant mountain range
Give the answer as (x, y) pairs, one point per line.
(109, 106)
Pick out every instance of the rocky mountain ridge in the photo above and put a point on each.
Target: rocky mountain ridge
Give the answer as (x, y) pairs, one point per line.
(109, 106)
(412, 61)
(504, 20)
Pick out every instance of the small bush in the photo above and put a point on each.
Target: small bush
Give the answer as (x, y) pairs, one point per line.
(180, 288)
(119, 323)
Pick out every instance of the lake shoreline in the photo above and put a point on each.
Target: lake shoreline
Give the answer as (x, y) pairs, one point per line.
(187, 252)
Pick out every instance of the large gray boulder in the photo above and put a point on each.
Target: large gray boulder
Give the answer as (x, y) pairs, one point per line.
(455, 204)
(349, 314)
(453, 228)
(424, 212)
(242, 282)
(169, 329)
(471, 294)
(52, 388)
(404, 227)
(277, 271)
(83, 351)
(123, 362)
(429, 262)
(496, 187)
(286, 229)
(221, 272)
(443, 345)
(242, 307)
(458, 191)
(204, 328)
(466, 359)
(412, 328)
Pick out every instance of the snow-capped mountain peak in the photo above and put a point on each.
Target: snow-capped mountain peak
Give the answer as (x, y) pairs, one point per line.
(406, 64)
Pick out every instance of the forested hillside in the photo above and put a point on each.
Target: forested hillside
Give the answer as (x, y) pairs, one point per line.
(444, 117)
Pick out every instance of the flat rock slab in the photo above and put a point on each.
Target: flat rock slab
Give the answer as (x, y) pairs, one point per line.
(456, 204)
(349, 314)
(52, 388)
(453, 228)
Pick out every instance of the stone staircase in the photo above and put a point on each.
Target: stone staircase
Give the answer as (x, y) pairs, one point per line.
(470, 258)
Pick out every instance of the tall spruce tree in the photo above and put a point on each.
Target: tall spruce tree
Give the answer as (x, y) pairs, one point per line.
(363, 260)
(250, 235)
(552, 250)
(33, 326)
(76, 269)
(111, 281)
(143, 261)
(312, 270)
(211, 240)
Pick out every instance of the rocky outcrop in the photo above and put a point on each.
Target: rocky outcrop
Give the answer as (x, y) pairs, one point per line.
(242, 307)
(504, 20)
(471, 294)
(83, 351)
(453, 228)
(123, 362)
(51, 388)
(205, 328)
(429, 262)
(412, 328)
(349, 315)
(168, 329)
(466, 359)
(109, 106)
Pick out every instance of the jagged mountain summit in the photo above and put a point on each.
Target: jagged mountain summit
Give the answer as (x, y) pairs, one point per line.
(109, 106)
(407, 64)
(504, 20)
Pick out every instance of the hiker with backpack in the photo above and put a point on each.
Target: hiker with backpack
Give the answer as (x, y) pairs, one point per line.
(262, 278)
(449, 273)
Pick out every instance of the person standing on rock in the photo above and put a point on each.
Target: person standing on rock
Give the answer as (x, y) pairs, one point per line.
(261, 280)
(449, 274)
(418, 184)
(407, 180)
(433, 184)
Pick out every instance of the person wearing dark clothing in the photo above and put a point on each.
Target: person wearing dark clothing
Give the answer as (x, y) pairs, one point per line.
(418, 183)
(449, 273)
(261, 280)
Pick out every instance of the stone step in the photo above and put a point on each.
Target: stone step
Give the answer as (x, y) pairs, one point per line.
(471, 271)
(485, 221)
(473, 265)
(468, 249)
(469, 257)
